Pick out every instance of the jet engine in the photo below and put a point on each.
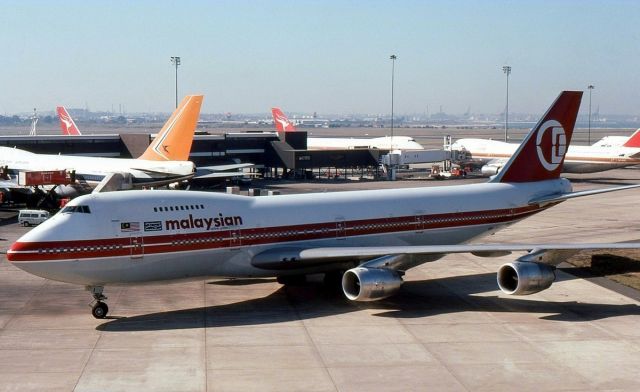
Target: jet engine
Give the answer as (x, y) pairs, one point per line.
(490, 169)
(370, 284)
(524, 278)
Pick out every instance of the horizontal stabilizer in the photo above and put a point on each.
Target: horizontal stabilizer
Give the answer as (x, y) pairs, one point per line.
(567, 196)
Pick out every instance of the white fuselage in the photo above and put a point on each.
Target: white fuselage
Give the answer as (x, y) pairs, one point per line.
(579, 159)
(142, 236)
(91, 170)
(380, 143)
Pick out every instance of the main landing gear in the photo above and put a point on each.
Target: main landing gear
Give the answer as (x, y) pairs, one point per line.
(99, 309)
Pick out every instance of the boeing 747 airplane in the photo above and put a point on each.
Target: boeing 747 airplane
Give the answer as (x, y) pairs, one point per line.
(611, 152)
(374, 236)
(283, 124)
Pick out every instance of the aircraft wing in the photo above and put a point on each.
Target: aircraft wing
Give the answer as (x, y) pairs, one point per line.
(8, 184)
(224, 174)
(293, 258)
(232, 166)
(221, 171)
(13, 186)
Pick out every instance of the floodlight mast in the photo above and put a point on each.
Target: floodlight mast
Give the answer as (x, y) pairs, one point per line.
(590, 87)
(393, 58)
(175, 60)
(507, 70)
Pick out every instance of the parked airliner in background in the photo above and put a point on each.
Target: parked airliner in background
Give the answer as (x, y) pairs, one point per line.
(617, 141)
(165, 160)
(67, 124)
(135, 237)
(611, 152)
(283, 124)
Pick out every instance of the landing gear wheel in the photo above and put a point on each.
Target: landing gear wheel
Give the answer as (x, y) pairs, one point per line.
(100, 310)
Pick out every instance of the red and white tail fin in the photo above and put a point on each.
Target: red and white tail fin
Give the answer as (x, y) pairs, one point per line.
(541, 155)
(281, 121)
(173, 143)
(66, 122)
(634, 140)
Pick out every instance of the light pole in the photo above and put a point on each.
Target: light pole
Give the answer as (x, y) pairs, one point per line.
(175, 60)
(590, 87)
(393, 58)
(507, 70)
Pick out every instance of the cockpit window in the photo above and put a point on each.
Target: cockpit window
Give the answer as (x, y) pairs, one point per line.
(78, 209)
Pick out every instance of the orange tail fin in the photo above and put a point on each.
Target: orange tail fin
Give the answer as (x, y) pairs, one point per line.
(173, 143)
(634, 140)
(281, 121)
(66, 122)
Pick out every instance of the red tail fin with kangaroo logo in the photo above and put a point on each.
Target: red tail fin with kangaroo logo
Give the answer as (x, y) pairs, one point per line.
(66, 122)
(281, 121)
(541, 155)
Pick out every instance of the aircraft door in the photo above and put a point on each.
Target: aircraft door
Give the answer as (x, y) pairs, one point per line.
(341, 229)
(419, 221)
(137, 247)
(234, 238)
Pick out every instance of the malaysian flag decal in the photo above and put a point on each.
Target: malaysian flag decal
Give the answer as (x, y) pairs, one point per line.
(130, 226)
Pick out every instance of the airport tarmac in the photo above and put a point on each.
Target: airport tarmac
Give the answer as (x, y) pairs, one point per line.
(449, 329)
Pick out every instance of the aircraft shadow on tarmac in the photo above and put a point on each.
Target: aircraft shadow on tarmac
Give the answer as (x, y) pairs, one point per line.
(416, 299)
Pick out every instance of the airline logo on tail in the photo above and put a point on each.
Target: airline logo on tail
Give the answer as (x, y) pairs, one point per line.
(66, 122)
(281, 121)
(541, 154)
(173, 143)
(558, 144)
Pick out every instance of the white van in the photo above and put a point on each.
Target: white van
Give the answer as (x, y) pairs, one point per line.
(32, 217)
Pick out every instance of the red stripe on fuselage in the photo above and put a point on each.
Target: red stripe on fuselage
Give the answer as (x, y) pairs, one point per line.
(233, 238)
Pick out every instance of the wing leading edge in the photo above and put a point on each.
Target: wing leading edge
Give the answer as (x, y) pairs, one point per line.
(293, 258)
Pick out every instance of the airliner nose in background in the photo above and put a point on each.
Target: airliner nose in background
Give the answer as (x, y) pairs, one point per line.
(375, 235)
(283, 124)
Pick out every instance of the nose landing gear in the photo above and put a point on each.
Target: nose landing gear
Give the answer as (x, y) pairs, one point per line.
(99, 309)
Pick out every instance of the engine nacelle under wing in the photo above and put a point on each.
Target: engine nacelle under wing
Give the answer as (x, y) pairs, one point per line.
(490, 169)
(370, 284)
(524, 278)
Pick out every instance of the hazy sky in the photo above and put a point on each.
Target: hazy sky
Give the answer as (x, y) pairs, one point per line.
(324, 56)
